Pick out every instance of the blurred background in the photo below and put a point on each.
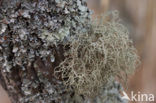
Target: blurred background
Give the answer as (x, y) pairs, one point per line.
(140, 18)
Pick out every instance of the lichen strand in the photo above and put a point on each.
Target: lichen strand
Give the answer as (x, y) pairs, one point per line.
(31, 33)
(96, 57)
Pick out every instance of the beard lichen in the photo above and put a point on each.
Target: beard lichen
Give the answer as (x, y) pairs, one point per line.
(95, 57)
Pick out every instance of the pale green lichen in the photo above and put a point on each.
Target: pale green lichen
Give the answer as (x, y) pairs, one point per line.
(95, 57)
(55, 36)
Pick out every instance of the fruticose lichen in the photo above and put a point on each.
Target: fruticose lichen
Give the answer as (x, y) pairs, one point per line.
(51, 51)
(97, 56)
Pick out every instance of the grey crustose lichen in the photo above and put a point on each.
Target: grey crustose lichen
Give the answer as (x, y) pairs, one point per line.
(30, 35)
(41, 23)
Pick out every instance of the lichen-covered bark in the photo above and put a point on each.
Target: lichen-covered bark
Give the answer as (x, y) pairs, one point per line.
(32, 33)
(52, 52)
(23, 86)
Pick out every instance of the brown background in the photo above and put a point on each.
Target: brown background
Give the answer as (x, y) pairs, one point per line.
(140, 17)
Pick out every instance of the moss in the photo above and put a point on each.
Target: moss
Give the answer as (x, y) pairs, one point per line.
(95, 57)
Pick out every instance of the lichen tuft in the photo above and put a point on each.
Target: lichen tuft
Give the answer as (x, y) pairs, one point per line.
(95, 57)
